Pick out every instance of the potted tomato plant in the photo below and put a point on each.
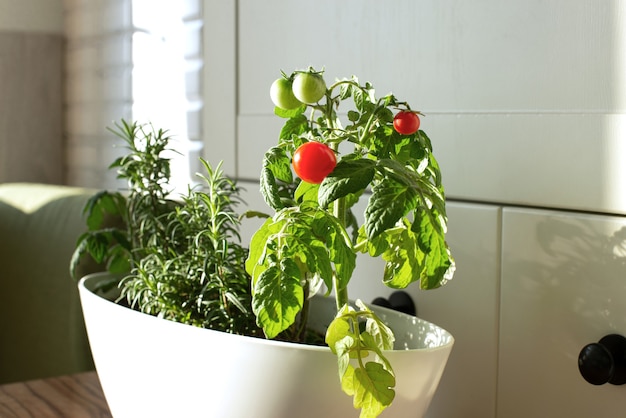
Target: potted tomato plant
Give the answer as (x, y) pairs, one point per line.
(323, 164)
(387, 160)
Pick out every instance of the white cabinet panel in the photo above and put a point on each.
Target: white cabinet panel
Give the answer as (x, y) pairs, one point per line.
(563, 286)
(524, 101)
(441, 55)
(559, 161)
(220, 83)
(468, 307)
(514, 159)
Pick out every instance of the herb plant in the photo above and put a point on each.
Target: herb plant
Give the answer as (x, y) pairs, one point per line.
(181, 258)
(307, 240)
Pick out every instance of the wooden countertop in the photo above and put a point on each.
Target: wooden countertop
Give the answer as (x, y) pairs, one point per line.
(74, 396)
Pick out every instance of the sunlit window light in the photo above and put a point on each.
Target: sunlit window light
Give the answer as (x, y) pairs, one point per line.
(159, 94)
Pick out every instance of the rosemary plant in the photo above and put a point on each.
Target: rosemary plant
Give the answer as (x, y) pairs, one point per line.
(181, 258)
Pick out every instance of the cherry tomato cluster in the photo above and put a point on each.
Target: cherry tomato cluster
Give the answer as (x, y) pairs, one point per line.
(313, 161)
(305, 87)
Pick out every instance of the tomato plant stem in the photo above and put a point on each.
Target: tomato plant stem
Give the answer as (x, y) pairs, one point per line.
(341, 293)
(339, 206)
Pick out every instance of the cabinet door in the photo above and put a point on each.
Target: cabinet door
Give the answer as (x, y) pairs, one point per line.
(563, 285)
(467, 306)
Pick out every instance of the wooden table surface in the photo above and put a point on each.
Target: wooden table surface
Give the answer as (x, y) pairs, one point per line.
(74, 396)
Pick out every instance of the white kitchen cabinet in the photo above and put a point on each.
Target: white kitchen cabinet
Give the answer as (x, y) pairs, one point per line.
(524, 104)
(521, 98)
(563, 286)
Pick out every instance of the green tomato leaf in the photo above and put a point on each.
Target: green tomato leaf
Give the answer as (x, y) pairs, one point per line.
(353, 116)
(339, 246)
(315, 256)
(339, 328)
(381, 334)
(306, 192)
(439, 264)
(408, 148)
(269, 189)
(390, 201)
(98, 243)
(277, 160)
(349, 176)
(258, 250)
(404, 259)
(373, 389)
(294, 126)
(278, 297)
(345, 90)
(385, 115)
(410, 256)
(370, 383)
(286, 114)
(359, 98)
(347, 378)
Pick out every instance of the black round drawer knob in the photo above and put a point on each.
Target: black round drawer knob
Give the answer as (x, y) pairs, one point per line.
(398, 301)
(604, 361)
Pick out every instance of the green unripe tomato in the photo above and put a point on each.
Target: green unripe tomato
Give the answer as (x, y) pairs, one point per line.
(309, 88)
(282, 94)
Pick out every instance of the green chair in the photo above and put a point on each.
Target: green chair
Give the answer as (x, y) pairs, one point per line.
(41, 326)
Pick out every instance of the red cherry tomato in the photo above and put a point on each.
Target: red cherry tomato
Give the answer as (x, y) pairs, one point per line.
(313, 161)
(406, 122)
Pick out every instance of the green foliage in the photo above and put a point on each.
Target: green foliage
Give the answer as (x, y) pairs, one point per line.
(307, 238)
(369, 382)
(121, 225)
(289, 253)
(186, 263)
(182, 258)
(198, 276)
